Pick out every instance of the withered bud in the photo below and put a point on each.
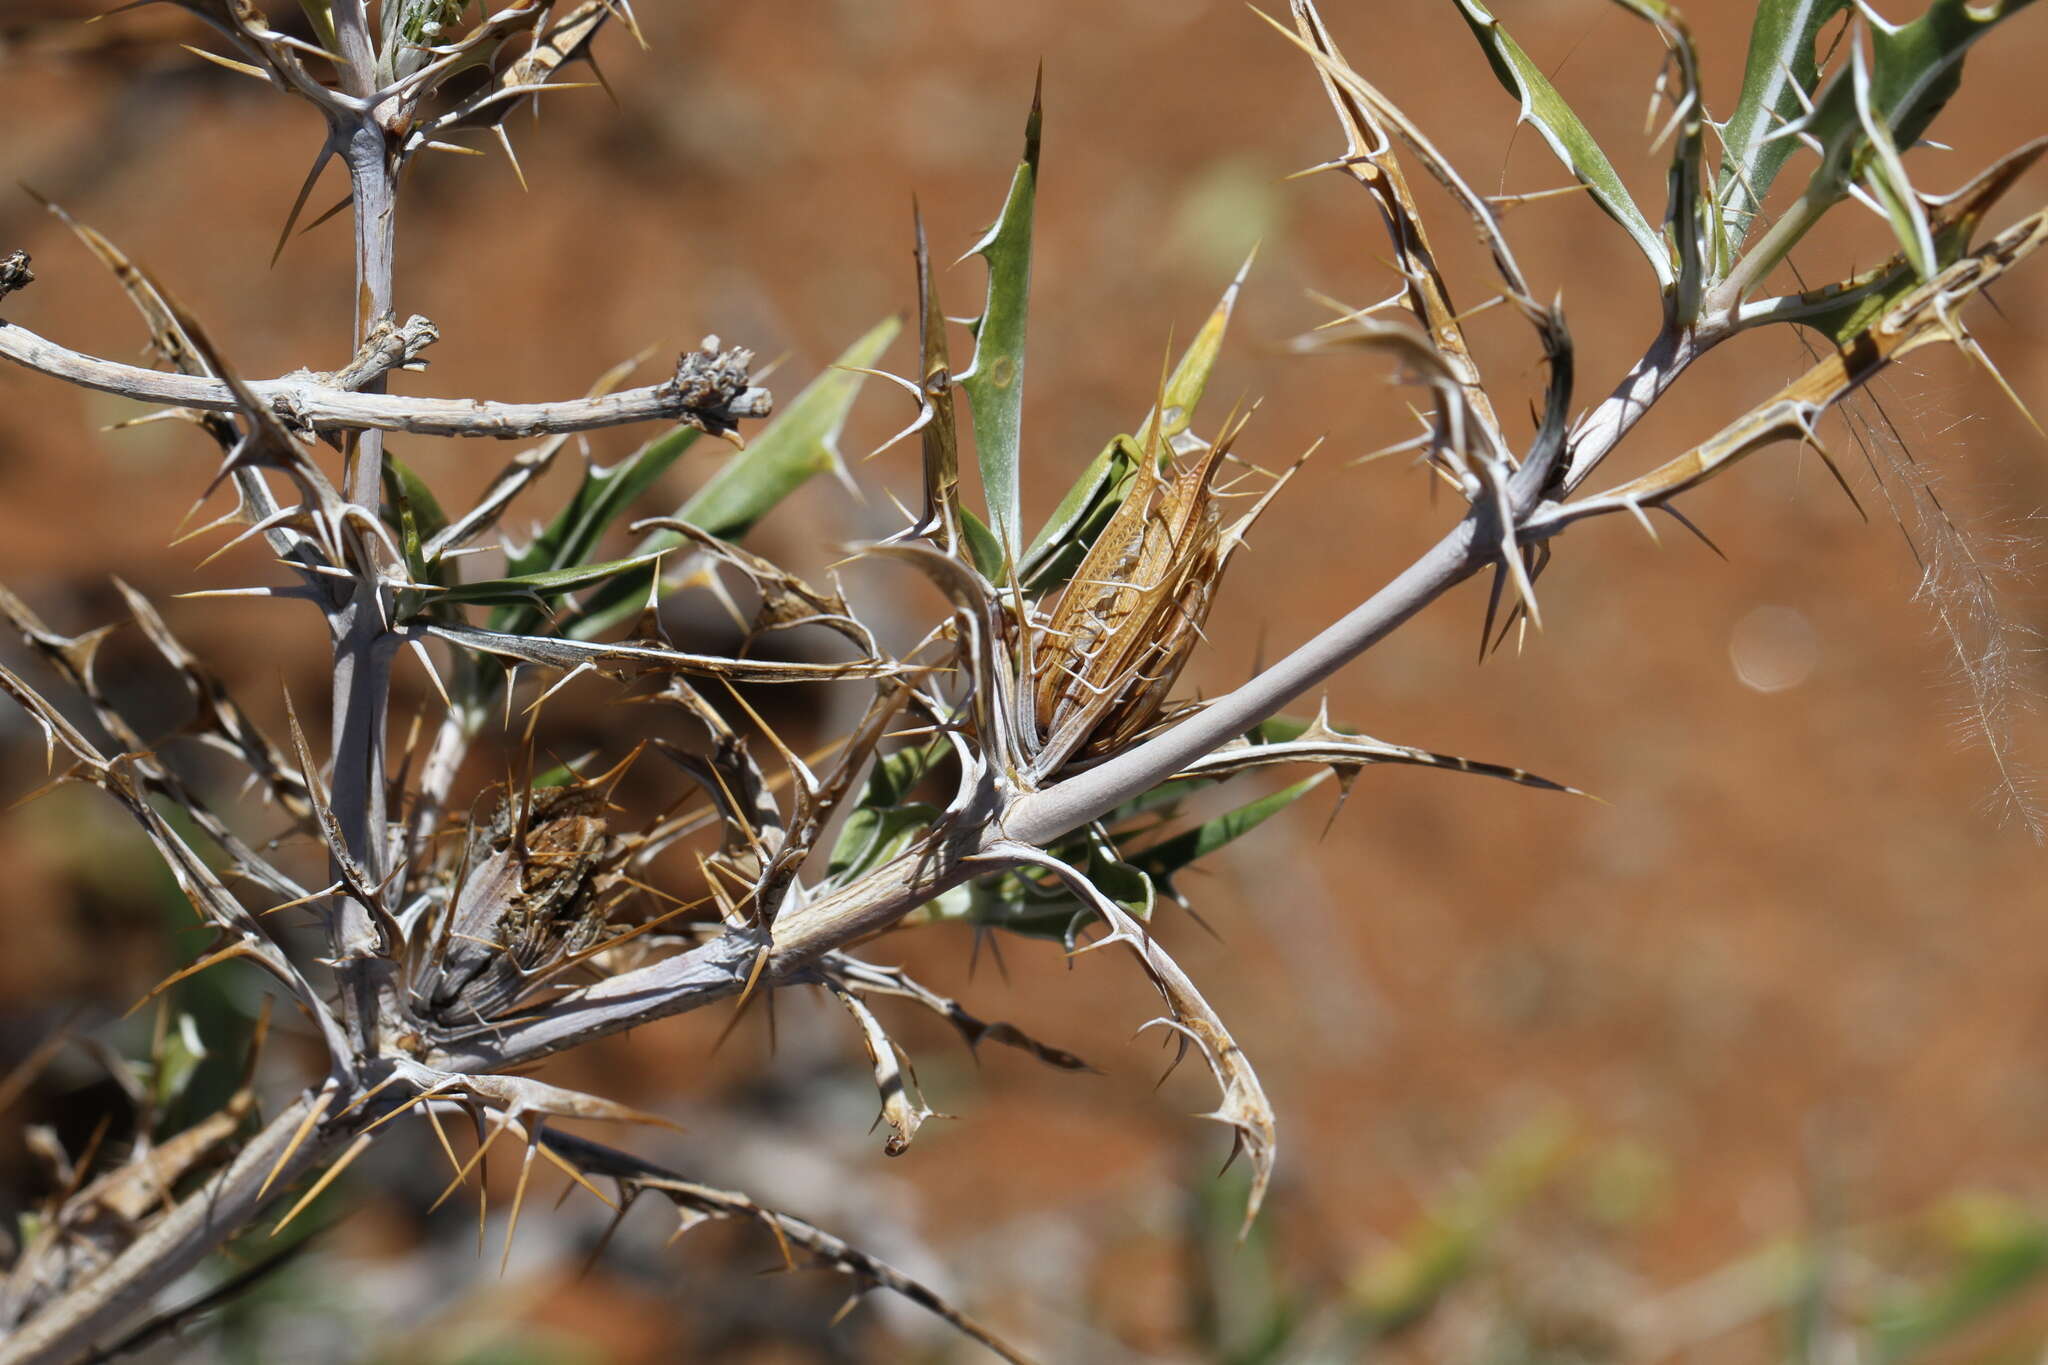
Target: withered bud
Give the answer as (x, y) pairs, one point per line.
(710, 387)
(389, 346)
(14, 272)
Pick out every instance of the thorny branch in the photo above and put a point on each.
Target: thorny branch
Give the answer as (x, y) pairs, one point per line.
(463, 953)
(316, 403)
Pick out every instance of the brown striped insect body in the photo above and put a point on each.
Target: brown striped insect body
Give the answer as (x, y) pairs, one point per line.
(526, 900)
(1129, 618)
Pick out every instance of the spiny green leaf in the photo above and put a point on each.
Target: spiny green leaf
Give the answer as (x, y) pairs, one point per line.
(941, 441)
(1917, 66)
(604, 496)
(1038, 906)
(1061, 543)
(994, 382)
(1566, 134)
(1885, 177)
(1841, 311)
(1690, 222)
(1190, 377)
(547, 583)
(1781, 68)
(1913, 70)
(1005, 901)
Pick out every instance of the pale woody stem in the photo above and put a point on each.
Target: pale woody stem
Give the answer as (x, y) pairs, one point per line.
(362, 645)
(309, 402)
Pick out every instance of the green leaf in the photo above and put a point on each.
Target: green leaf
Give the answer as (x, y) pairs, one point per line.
(1841, 311)
(1567, 136)
(1167, 797)
(1690, 221)
(1120, 881)
(2003, 1249)
(1088, 505)
(1041, 906)
(801, 441)
(941, 443)
(875, 834)
(1916, 67)
(417, 515)
(1190, 377)
(605, 495)
(885, 823)
(894, 777)
(1913, 70)
(177, 1061)
(994, 382)
(1064, 540)
(982, 546)
(1285, 729)
(320, 15)
(1004, 901)
(546, 584)
(1885, 177)
(1781, 68)
(1162, 860)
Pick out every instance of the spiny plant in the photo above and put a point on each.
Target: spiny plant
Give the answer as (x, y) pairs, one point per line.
(1021, 768)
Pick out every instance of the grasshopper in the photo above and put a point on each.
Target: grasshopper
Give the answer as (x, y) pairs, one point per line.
(527, 898)
(1126, 623)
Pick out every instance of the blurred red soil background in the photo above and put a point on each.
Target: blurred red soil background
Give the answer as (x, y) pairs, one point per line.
(1789, 978)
